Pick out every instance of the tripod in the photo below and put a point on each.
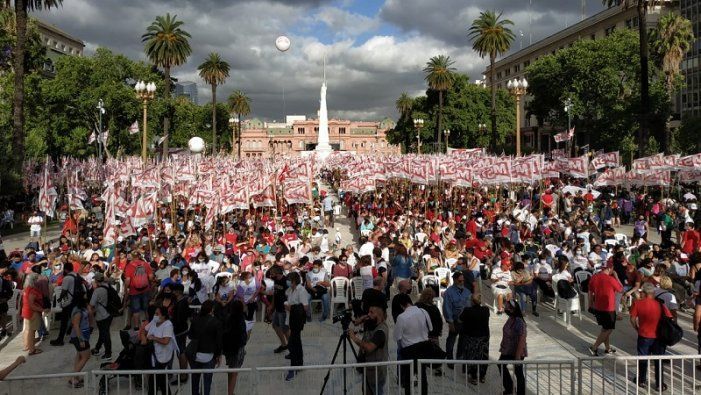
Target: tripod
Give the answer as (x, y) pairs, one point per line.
(343, 340)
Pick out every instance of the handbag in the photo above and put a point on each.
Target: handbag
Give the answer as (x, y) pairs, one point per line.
(669, 332)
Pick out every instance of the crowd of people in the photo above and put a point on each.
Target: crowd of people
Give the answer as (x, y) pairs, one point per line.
(190, 295)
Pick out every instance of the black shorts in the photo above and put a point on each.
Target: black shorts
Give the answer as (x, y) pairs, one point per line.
(606, 319)
(76, 343)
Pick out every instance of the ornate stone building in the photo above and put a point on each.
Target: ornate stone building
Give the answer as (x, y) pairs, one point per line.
(298, 134)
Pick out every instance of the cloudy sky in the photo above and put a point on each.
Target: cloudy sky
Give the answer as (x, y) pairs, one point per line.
(375, 49)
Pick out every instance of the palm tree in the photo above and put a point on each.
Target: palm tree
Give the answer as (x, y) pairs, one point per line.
(491, 37)
(670, 40)
(166, 45)
(404, 106)
(241, 105)
(214, 71)
(439, 76)
(642, 6)
(22, 8)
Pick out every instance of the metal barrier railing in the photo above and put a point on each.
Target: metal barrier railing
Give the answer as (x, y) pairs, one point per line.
(637, 374)
(176, 381)
(380, 378)
(58, 383)
(487, 377)
(585, 375)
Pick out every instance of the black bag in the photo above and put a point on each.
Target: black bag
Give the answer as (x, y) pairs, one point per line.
(565, 290)
(114, 303)
(669, 332)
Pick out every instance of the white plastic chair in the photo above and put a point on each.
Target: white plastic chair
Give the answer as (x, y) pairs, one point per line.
(610, 243)
(580, 277)
(428, 280)
(340, 290)
(443, 273)
(356, 286)
(14, 309)
(568, 306)
(622, 239)
(328, 265)
(294, 244)
(450, 262)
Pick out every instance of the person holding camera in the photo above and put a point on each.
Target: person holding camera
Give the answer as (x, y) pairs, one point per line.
(373, 347)
(296, 305)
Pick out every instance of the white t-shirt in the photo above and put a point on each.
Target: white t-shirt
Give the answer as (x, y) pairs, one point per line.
(35, 223)
(501, 277)
(248, 290)
(366, 249)
(314, 278)
(225, 290)
(543, 270)
(163, 353)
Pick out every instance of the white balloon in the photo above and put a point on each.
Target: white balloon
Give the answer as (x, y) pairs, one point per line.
(282, 43)
(196, 145)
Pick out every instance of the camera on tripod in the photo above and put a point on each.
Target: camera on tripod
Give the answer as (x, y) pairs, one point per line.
(345, 317)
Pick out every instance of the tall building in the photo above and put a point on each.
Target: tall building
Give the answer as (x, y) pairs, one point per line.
(58, 43)
(689, 96)
(187, 89)
(597, 26)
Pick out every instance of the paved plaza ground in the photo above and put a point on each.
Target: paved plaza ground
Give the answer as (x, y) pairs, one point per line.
(548, 339)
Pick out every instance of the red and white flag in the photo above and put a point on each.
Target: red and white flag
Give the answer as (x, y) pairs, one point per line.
(92, 138)
(134, 128)
(564, 136)
(610, 159)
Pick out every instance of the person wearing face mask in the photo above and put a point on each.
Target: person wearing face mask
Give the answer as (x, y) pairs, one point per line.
(205, 270)
(579, 261)
(317, 286)
(247, 292)
(373, 347)
(161, 334)
(297, 307)
(455, 299)
(513, 348)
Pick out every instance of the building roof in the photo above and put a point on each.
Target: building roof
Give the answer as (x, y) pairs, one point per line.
(56, 30)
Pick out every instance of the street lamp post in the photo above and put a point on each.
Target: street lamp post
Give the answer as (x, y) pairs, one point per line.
(100, 111)
(233, 121)
(418, 124)
(145, 91)
(482, 127)
(446, 133)
(568, 110)
(518, 88)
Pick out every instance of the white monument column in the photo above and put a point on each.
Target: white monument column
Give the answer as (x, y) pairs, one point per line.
(323, 148)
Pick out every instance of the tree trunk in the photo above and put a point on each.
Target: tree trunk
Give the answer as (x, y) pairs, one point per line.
(238, 134)
(440, 119)
(493, 86)
(644, 78)
(166, 119)
(18, 99)
(214, 119)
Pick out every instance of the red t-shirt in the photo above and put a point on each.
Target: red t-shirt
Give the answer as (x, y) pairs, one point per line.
(130, 271)
(691, 242)
(604, 288)
(27, 312)
(547, 200)
(648, 313)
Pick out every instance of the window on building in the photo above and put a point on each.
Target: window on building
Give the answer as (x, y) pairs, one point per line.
(341, 130)
(610, 30)
(498, 74)
(316, 129)
(593, 36)
(517, 68)
(526, 64)
(507, 71)
(300, 130)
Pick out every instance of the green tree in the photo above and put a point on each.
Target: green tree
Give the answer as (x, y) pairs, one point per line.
(599, 77)
(491, 36)
(240, 104)
(214, 71)
(166, 45)
(670, 40)
(404, 106)
(466, 105)
(22, 8)
(642, 7)
(439, 76)
(689, 135)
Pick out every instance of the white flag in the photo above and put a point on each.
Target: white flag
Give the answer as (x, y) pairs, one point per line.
(91, 139)
(104, 137)
(134, 128)
(162, 139)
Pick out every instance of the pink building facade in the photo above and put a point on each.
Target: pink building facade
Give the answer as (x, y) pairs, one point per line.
(262, 139)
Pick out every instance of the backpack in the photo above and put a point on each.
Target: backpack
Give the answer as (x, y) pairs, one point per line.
(140, 279)
(114, 303)
(669, 332)
(80, 288)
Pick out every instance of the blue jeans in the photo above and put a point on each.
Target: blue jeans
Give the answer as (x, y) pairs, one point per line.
(325, 306)
(648, 346)
(524, 291)
(207, 377)
(450, 342)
